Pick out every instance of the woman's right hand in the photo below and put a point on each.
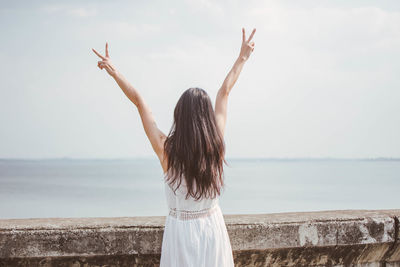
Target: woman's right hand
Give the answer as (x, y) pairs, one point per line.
(247, 46)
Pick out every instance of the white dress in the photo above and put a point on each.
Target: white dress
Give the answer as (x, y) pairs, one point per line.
(195, 233)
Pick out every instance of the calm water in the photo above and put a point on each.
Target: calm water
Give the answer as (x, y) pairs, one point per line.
(134, 187)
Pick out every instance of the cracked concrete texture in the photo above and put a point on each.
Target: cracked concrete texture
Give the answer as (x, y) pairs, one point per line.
(322, 238)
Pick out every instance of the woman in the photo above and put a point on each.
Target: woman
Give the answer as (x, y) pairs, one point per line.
(192, 157)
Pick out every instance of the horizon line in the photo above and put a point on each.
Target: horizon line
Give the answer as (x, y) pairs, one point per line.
(227, 158)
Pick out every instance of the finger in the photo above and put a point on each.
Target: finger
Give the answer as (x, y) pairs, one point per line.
(251, 36)
(97, 53)
(107, 50)
(243, 35)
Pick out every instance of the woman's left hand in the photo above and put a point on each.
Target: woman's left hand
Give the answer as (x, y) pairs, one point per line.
(105, 63)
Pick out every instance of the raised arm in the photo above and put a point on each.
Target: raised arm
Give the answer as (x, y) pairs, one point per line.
(155, 135)
(221, 102)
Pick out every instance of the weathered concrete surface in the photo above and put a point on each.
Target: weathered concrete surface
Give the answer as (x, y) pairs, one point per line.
(325, 238)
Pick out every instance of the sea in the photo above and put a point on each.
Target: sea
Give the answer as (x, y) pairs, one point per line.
(65, 187)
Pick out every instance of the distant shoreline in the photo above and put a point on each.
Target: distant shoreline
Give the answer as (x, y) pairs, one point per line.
(228, 159)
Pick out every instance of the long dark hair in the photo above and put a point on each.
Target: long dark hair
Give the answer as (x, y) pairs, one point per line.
(195, 148)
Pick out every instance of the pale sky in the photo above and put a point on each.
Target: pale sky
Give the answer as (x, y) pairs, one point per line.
(323, 80)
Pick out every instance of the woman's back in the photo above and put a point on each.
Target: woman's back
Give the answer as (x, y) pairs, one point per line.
(189, 207)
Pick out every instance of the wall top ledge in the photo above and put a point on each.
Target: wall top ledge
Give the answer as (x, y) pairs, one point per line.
(159, 221)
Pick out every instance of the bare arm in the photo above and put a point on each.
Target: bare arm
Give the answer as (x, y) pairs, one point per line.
(155, 135)
(221, 101)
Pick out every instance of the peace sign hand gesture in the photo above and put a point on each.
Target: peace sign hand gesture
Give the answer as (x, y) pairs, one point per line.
(105, 63)
(247, 46)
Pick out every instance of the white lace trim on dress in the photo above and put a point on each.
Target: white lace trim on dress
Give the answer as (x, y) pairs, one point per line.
(192, 214)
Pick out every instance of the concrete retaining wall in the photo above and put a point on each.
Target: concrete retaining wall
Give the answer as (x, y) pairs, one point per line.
(326, 238)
